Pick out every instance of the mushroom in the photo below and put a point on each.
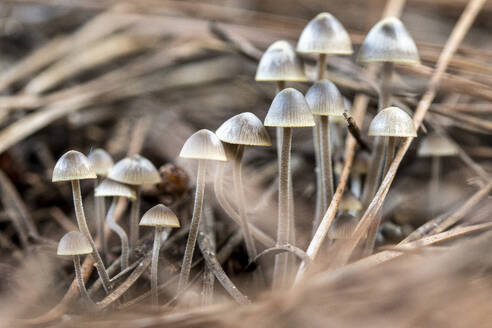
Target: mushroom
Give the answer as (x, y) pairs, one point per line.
(387, 42)
(244, 129)
(289, 109)
(101, 162)
(135, 171)
(436, 146)
(203, 146)
(75, 244)
(159, 217)
(109, 188)
(74, 166)
(325, 100)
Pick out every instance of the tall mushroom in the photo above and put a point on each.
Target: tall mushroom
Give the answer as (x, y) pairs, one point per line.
(75, 244)
(159, 217)
(289, 109)
(102, 162)
(388, 42)
(203, 146)
(135, 171)
(74, 166)
(110, 188)
(244, 129)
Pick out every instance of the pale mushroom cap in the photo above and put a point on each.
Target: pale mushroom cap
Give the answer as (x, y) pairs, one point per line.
(135, 170)
(101, 161)
(350, 202)
(280, 62)
(74, 243)
(289, 109)
(73, 165)
(244, 129)
(392, 122)
(436, 145)
(324, 99)
(160, 216)
(203, 144)
(110, 188)
(324, 34)
(389, 41)
(343, 227)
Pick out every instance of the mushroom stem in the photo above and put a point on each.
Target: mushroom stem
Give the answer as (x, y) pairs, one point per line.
(326, 168)
(390, 153)
(356, 184)
(231, 212)
(283, 225)
(80, 281)
(82, 223)
(125, 249)
(434, 184)
(238, 182)
(154, 267)
(99, 209)
(134, 217)
(195, 221)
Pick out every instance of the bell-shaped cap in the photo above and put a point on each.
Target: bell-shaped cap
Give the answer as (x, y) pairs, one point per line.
(160, 216)
(110, 188)
(203, 144)
(343, 226)
(73, 165)
(436, 145)
(324, 34)
(389, 41)
(392, 122)
(74, 243)
(135, 170)
(324, 99)
(280, 62)
(101, 161)
(244, 129)
(289, 109)
(350, 202)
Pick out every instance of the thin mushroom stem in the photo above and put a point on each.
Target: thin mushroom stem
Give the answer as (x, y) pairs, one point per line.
(195, 221)
(356, 184)
(125, 248)
(280, 269)
(326, 168)
(154, 267)
(99, 209)
(390, 153)
(82, 223)
(134, 217)
(434, 184)
(80, 281)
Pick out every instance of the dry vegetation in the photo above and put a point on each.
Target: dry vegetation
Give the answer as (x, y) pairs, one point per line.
(140, 77)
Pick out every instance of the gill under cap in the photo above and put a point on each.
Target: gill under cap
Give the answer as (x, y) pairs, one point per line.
(280, 62)
(73, 165)
(324, 34)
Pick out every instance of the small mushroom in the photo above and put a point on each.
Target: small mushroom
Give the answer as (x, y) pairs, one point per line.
(75, 244)
(289, 109)
(203, 146)
(109, 188)
(135, 171)
(159, 217)
(74, 166)
(101, 162)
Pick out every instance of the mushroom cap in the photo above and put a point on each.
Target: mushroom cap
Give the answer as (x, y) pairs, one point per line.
(73, 165)
(389, 41)
(392, 122)
(135, 170)
(203, 144)
(436, 145)
(280, 62)
(110, 188)
(324, 34)
(101, 161)
(343, 227)
(324, 99)
(244, 129)
(350, 202)
(289, 109)
(74, 243)
(160, 216)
